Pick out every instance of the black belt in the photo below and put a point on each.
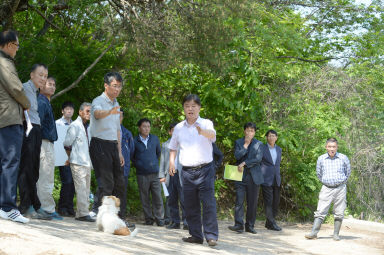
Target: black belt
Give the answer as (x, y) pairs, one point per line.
(106, 141)
(333, 187)
(193, 168)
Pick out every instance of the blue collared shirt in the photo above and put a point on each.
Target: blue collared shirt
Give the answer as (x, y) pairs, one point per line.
(47, 119)
(144, 140)
(333, 171)
(273, 152)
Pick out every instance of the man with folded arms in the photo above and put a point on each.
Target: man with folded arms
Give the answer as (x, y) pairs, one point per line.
(12, 103)
(76, 145)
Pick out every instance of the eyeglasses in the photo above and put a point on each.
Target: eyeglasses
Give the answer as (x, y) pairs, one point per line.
(116, 87)
(17, 44)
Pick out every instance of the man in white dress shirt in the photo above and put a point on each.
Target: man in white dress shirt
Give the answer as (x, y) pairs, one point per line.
(194, 137)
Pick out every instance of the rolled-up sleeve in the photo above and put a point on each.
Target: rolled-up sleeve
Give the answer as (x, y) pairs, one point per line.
(174, 144)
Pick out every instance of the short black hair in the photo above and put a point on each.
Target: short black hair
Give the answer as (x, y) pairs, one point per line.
(331, 140)
(271, 131)
(172, 125)
(192, 97)
(67, 104)
(52, 78)
(37, 65)
(109, 77)
(250, 125)
(141, 121)
(7, 36)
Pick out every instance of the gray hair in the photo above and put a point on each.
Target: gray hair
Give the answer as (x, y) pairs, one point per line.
(83, 105)
(109, 77)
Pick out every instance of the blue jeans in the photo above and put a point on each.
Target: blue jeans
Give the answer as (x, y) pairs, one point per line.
(199, 187)
(11, 139)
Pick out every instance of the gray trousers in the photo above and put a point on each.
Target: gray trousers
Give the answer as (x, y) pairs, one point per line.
(150, 184)
(327, 196)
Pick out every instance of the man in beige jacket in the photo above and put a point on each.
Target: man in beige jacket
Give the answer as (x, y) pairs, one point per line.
(12, 103)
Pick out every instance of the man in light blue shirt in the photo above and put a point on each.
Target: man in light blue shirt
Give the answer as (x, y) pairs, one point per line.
(333, 170)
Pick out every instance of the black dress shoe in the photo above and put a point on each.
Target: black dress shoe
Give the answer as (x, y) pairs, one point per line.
(160, 223)
(238, 229)
(85, 218)
(250, 230)
(274, 227)
(64, 213)
(192, 239)
(148, 222)
(166, 222)
(185, 227)
(173, 225)
(71, 213)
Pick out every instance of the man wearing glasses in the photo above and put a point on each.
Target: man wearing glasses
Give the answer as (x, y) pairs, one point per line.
(12, 103)
(105, 147)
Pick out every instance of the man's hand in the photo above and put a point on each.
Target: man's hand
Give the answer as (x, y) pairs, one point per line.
(198, 129)
(162, 180)
(172, 169)
(66, 163)
(247, 141)
(121, 159)
(115, 110)
(240, 167)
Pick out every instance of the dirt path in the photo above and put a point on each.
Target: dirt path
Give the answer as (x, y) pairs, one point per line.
(74, 237)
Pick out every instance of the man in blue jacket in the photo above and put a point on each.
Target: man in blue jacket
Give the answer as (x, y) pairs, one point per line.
(146, 161)
(248, 154)
(127, 149)
(270, 167)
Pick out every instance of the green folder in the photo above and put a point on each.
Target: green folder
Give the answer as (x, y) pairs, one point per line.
(231, 173)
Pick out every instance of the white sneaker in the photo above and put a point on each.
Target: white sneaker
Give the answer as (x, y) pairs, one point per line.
(3, 215)
(15, 215)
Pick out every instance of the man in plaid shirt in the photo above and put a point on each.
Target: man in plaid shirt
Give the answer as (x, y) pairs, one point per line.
(333, 170)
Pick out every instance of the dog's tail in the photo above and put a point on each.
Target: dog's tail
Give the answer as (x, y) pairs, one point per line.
(122, 231)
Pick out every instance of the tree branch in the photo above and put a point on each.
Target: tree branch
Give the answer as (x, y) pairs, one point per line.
(45, 18)
(75, 83)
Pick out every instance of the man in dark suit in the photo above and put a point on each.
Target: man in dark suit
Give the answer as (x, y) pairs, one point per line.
(270, 167)
(248, 153)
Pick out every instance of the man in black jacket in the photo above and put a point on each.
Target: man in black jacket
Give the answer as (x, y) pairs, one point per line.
(270, 167)
(146, 161)
(248, 153)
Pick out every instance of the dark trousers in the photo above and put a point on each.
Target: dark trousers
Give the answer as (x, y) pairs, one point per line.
(199, 187)
(123, 202)
(11, 139)
(67, 191)
(249, 191)
(29, 169)
(109, 174)
(271, 198)
(176, 195)
(150, 184)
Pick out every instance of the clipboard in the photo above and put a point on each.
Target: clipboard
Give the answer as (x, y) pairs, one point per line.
(231, 173)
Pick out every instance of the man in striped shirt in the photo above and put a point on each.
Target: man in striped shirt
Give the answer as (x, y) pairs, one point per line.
(333, 170)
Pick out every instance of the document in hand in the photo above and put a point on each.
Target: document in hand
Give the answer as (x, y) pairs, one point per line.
(231, 173)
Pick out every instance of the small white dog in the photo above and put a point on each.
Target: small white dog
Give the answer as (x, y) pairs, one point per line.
(107, 219)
